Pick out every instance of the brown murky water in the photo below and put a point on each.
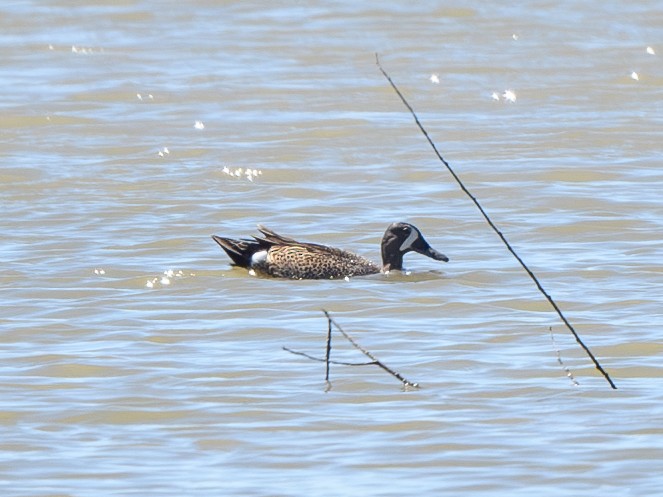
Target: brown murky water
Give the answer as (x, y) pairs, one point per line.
(135, 361)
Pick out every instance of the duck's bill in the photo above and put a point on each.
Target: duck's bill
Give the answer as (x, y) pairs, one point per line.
(421, 246)
(434, 254)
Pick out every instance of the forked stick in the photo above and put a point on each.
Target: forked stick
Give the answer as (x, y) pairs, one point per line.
(327, 360)
(405, 382)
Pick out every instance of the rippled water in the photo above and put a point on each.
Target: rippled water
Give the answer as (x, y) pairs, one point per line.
(136, 361)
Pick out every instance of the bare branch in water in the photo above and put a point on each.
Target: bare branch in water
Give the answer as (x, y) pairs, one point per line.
(331, 323)
(377, 362)
(568, 372)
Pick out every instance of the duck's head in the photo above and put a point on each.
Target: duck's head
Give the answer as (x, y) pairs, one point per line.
(401, 238)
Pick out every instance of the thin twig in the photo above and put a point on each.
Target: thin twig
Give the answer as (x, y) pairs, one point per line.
(328, 352)
(495, 229)
(373, 360)
(324, 359)
(368, 354)
(568, 372)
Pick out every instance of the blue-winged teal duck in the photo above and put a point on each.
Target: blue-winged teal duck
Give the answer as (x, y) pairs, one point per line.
(283, 257)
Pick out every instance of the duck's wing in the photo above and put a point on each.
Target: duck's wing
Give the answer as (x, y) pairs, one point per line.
(274, 238)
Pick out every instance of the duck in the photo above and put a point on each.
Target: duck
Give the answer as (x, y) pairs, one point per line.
(280, 256)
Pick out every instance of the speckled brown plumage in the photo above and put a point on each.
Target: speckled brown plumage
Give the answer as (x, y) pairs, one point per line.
(308, 261)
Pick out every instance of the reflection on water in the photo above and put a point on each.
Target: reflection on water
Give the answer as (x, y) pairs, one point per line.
(135, 360)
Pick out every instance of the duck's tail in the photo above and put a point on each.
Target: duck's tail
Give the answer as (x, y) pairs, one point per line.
(240, 251)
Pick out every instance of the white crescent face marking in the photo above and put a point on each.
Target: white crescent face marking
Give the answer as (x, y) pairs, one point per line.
(409, 240)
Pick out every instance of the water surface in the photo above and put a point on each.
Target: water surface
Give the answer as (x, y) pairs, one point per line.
(136, 361)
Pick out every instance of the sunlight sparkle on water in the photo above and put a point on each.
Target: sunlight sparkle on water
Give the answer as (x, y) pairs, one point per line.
(166, 279)
(240, 172)
(509, 95)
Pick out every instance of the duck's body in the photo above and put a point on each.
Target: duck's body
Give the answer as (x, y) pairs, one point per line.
(283, 257)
